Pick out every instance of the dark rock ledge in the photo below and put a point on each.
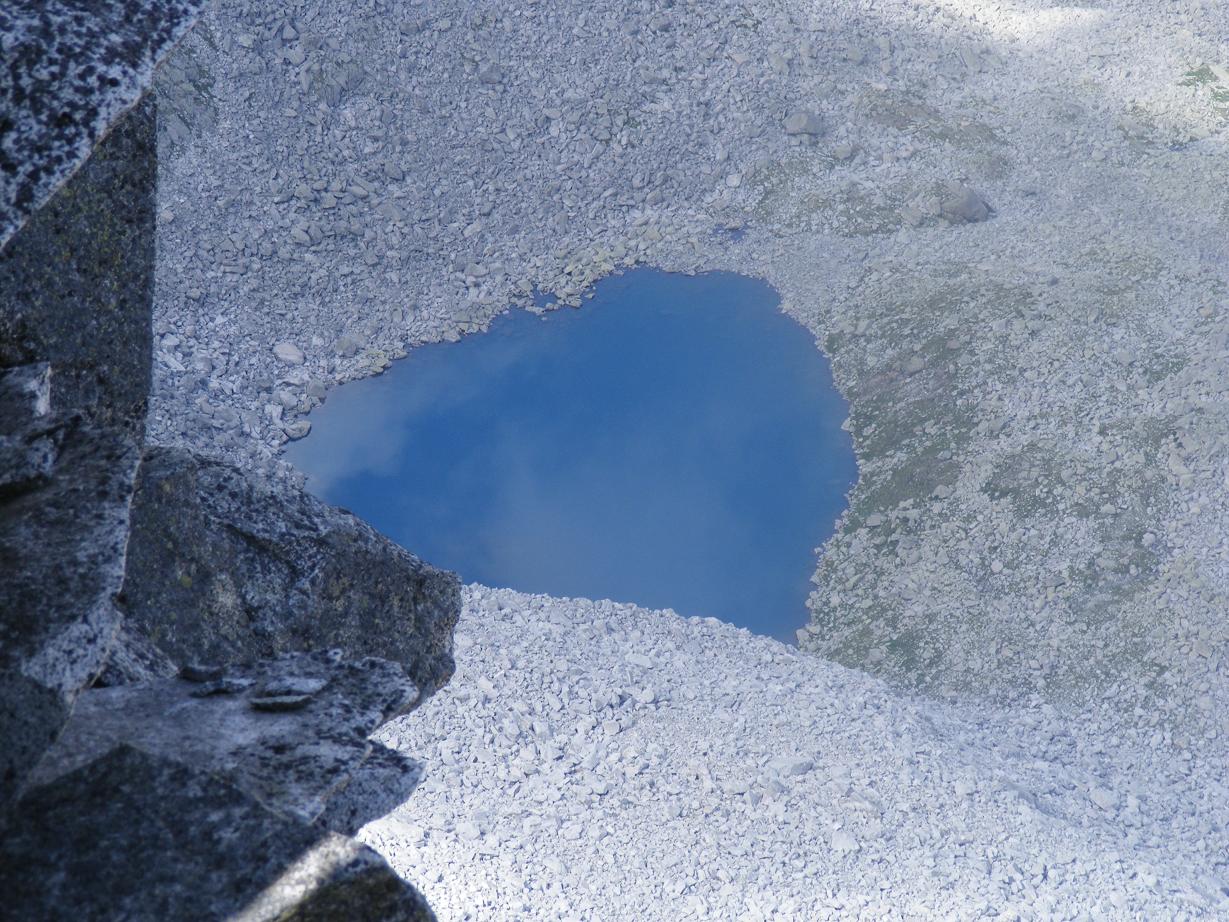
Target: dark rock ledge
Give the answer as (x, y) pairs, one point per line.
(192, 661)
(290, 732)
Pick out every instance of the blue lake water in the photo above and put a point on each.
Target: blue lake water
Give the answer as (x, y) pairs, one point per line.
(676, 442)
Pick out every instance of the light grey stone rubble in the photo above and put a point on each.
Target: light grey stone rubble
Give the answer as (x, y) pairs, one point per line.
(735, 777)
(1006, 231)
(1006, 216)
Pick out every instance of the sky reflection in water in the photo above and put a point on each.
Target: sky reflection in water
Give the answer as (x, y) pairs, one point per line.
(676, 443)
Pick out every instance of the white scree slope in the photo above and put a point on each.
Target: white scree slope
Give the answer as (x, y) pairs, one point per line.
(593, 760)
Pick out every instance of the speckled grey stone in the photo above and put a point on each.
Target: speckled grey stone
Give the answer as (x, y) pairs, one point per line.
(144, 838)
(76, 288)
(28, 446)
(25, 395)
(68, 72)
(226, 568)
(77, 284)
(290, 760)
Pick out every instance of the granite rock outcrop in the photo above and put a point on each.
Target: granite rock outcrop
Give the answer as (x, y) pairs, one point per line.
(201, 781)
(75, 293)
(225, 568)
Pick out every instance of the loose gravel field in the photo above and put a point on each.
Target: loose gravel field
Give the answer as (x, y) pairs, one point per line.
(1004, 222)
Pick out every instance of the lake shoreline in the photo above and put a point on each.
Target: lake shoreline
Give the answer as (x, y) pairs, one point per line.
(1008, 247)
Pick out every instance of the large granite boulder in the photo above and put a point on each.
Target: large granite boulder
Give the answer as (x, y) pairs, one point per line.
(144, 838)
(225, 568)
(291, 732)
(75, 296)
(71, 70)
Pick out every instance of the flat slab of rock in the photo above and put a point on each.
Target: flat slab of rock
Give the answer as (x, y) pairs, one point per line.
(224, 568)
(71, 71)
(144, 838)
(291, 732)
(289, 353)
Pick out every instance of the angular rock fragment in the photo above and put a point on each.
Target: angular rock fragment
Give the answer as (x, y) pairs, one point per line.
(961, 205)
(141, 837)
(289, 353)
(803, 122)
(291, 759)
(224, 569)
(134, 659)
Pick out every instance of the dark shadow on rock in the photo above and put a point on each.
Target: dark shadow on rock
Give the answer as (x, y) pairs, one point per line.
(144, 838)
(384, 781)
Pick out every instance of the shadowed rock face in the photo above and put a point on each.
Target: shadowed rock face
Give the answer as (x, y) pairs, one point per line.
(291, 732)
(223, 568)
(75, 295)
(77, 285)
(140, 837)
(57, 611)
(71, 70)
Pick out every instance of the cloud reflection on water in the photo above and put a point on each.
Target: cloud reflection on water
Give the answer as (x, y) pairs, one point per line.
(675, 443)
